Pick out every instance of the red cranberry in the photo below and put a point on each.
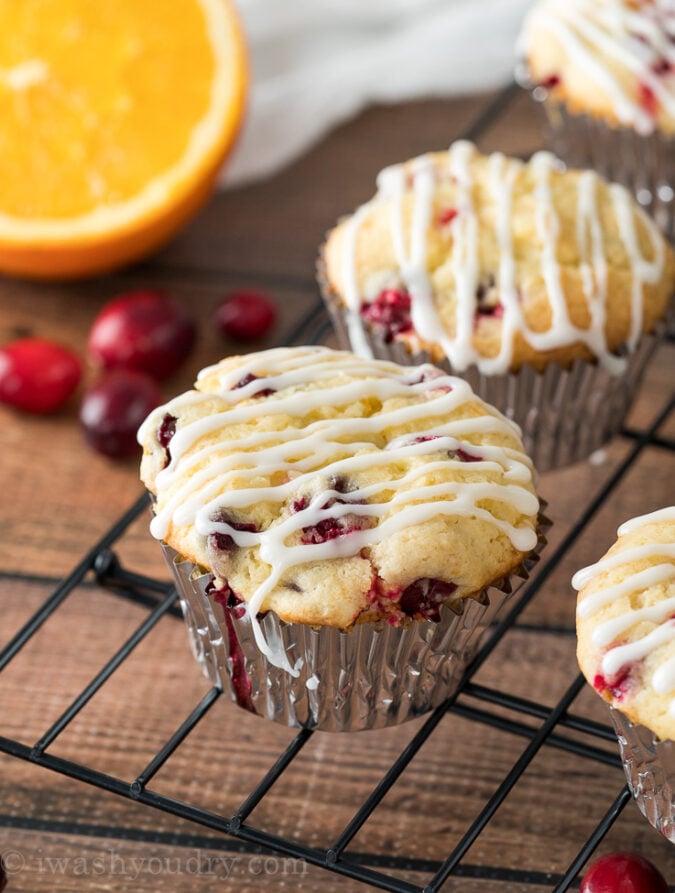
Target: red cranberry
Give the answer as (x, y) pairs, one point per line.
(247, 379)
(166, 430)
(648, 100)
(425, 438)
(331, 528)
(37, 375)
(447, 215)
(241, 683)
(623, 873)
(389, 312)
(113, 409)
(246, 315)
(425, 597)
(223, 542)
(165, 434)
(325, 530)
(463, 456)
(550, 82)
(617, 686)
(143, 330)
(227, 599)
(662, 67)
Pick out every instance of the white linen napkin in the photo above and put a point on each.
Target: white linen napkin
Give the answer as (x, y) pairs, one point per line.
(318, 62)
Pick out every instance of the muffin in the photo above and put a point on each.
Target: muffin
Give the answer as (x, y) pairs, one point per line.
(604, 71)
(626, 651)
(541, 286)
(341, 530)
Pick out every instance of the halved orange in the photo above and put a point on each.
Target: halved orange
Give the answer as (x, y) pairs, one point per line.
(116, 117)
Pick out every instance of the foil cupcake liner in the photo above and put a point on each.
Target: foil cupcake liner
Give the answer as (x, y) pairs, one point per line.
(649, 765)
(644, 164)
(564, 413)
(371, 676)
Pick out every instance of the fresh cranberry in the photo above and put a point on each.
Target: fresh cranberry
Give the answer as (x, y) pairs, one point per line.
(487, 298)
(142, 330)
(463, 456)
(550, 82)
(425, 597)
(166, 431)
(325, 530)
(617, 686)
(37, 375)
(228, 599)
(246, 315)
(496, 312)
(389, 312)
(223, 542)
(623, 873)
(385, 598)
(165, 434)
(447, 215)
(425, 438)
(330, 528)
(247, 379)
(662, 67)
(241, 683)
(648, 100)
(113, 409)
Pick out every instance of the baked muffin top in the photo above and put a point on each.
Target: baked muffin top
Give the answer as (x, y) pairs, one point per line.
(333, 489)
(491, 261)
(626, 622)
(612, 59)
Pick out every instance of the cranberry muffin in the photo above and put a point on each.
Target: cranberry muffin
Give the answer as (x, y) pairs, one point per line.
(626, 650)
(318, 505)
(539, 285)
(605, 73)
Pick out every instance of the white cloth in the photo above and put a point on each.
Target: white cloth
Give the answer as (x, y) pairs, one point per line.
(318, 62)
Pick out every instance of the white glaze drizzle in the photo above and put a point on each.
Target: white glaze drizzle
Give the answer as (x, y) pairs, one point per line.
(660, 616)
(665, 514)
(465, 228)
(413, 263)
(633, 42)
(202, 481)
(355, 329)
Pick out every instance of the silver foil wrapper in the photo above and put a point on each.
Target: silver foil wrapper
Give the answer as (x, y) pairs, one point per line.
(371, 676)
(565, 414)
(644, 164)
(649, 765)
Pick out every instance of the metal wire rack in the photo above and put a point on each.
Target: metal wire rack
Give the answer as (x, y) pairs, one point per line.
(541, 725)
(473, 702)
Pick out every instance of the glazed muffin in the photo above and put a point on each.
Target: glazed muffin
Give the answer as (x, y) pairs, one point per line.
(605, 72)
(310, 493)
(537, 284)
(626, 650)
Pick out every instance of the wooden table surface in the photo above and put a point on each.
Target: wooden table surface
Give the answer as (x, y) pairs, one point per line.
(58, 498)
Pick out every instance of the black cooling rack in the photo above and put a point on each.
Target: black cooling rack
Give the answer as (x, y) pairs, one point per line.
(474, 702)
(541, 725)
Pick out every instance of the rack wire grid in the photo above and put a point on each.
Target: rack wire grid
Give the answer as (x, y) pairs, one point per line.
(474, 702)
